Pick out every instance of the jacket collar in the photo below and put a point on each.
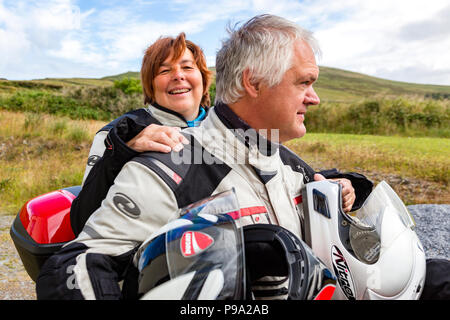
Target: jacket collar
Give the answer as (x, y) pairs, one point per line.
(223, 136)
(243, 131)
(169, 117)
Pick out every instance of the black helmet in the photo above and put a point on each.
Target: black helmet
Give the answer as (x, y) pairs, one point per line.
(272, 250)
(204, 255)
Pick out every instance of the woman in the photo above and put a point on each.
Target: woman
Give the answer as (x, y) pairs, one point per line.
(175, 81)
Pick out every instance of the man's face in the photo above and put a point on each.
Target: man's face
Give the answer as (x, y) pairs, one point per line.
(284, 106)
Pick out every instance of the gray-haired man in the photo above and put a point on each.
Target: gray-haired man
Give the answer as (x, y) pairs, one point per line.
(265, 73)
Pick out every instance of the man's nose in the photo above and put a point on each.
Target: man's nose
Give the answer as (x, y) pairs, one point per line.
(311, 97)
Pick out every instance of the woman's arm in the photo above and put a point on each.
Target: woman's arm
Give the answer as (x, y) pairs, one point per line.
(127, 137)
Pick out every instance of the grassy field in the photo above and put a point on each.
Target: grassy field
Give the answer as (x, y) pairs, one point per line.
(403, 131)
(427, 158)
(40, 153)
(418, 168)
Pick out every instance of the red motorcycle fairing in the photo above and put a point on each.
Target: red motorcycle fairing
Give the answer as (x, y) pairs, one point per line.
(46, 218)
(42, 227)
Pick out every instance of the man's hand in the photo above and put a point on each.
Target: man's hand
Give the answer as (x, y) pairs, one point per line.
(348, 192)
(158, 138)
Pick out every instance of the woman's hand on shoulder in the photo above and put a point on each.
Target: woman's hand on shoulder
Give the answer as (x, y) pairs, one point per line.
(158, 138)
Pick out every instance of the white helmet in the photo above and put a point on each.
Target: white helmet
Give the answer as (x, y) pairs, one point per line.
(374, 252)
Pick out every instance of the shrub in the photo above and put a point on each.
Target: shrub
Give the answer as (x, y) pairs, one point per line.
(212, 93)
(128, 85)
(97, 103)
(382, 117)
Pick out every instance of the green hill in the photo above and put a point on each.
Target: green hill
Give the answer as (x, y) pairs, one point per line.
(129, 74)
(337, 85)
(334, 85)
(341, 85)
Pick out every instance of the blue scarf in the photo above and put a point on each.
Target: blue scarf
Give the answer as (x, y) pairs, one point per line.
(196, 121)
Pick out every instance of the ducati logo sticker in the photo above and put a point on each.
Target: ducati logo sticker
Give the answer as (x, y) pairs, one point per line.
(194, 242)
(342, 272)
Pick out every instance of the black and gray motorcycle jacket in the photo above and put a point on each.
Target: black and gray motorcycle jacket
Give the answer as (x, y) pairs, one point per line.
(108, 154)
(148, 191)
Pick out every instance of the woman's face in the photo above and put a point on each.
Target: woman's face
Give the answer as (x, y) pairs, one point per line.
(178, 85)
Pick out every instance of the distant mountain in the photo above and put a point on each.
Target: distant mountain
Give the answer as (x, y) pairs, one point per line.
(333, 85)
(129, 74)
(341, 85)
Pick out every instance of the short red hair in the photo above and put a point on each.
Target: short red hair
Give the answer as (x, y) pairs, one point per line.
(158, 52)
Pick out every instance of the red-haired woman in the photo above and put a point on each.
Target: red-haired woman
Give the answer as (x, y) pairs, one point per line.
(175, 81)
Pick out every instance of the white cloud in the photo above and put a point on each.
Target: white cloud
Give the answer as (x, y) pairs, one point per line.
(125, 35)
(73, 50)
(377, 38)
(402, 40)
(32, 32)
(55, 16)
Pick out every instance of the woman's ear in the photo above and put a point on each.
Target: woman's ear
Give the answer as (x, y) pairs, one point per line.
(251, 88)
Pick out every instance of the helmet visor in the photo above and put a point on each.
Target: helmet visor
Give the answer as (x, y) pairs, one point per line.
(381, 219)
(210, 244)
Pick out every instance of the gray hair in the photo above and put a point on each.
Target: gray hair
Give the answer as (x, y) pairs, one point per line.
(264, 46)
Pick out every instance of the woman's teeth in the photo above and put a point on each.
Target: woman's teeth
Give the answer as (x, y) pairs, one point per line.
(178, 91)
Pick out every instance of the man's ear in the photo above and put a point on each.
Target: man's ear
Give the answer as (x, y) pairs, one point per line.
(252, 89)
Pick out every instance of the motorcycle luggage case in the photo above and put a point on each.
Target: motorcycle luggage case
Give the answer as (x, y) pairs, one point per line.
(42, 227)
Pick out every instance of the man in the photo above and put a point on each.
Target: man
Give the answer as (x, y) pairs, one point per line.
(265, 73)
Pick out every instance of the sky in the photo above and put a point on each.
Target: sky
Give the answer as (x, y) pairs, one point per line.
(403, 40)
